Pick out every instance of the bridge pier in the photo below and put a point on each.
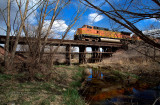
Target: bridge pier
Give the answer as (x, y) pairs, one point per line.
(105, 50)
(82, 54)
(114, 49)
(68, 54)
(96, 56)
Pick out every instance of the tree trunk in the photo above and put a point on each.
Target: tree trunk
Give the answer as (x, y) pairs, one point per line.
(6, 57)
(19, 32)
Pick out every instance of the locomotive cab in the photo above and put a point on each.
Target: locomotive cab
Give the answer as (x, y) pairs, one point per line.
(87, 33)
(83, 33)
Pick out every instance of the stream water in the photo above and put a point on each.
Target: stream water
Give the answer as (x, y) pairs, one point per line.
(107, 89)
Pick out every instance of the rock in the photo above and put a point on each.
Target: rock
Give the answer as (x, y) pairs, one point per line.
(11, 103)
(132, 80)
(111, 77)
(64, 89)
(98, 82)
(86, 72)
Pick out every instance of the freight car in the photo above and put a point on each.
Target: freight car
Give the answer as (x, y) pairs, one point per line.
(93, 33)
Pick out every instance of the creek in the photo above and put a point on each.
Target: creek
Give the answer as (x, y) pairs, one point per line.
(103, 87)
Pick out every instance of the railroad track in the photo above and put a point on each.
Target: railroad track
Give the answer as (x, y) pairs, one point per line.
(55, 42)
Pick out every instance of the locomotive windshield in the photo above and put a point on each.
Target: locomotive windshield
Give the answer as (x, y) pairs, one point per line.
(89, 27)
(100, 28)
(83, 26)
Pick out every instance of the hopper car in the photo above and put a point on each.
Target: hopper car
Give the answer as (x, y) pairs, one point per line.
(93, 33)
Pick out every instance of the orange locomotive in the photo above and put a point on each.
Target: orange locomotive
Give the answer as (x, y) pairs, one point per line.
(93, 33)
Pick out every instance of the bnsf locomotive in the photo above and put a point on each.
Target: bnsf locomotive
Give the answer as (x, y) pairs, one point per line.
(93, 33)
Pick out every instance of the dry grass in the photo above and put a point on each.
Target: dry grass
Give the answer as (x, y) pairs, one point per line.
(133, 62)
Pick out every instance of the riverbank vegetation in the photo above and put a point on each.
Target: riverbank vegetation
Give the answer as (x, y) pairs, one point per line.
(61, 88)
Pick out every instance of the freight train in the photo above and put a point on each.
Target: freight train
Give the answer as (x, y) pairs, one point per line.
(93, 33)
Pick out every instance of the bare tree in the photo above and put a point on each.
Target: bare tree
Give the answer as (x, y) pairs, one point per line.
(14, 26)
(6, 58)
(42, 31)
(128, 13)
(23, 17)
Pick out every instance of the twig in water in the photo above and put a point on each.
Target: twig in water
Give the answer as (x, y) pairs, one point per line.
(156, 101)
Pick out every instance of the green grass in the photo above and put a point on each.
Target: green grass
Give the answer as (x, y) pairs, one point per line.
(45, 102)
(36, 98)
(123, 75)
(75, 84)
(78, 74)
(38, 75)
(4, 77)
(77, 78)
(72, 97)
(52, 98)
(118, 75)
(26, 103)
(132, 75)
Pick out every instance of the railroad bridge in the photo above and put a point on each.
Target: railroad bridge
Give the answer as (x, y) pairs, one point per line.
(107, 47)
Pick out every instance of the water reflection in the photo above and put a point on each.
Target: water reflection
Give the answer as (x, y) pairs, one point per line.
(98, 91)
(95, 74)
